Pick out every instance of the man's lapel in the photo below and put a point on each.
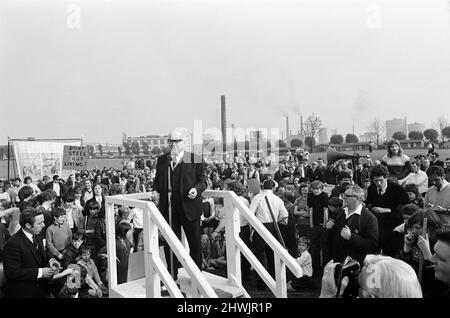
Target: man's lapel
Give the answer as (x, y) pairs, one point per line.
(32, 248)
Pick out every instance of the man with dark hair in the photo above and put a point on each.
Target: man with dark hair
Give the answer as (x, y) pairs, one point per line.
(43, 183)
(262, 212)
(447, 169)
(344, 180)
(434, 161)
(25, 261)
(384, 199)
(441, 258)
(438, 195)
(58, 187)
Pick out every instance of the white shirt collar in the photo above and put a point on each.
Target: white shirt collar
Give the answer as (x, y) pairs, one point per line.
(179, 156)
(28, 235)
(357, 211)
(444, 184)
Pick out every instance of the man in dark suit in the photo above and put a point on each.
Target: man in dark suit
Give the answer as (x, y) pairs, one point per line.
(434, 161)
(58, 187)
(384, 200)
(181, 173)
(25, 262)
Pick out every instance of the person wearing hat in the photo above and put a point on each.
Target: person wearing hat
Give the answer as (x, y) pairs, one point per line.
(181, 173)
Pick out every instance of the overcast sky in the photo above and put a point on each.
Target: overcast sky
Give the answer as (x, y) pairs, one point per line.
(144, 67)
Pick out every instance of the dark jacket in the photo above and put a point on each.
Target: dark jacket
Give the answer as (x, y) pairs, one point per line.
(21, 265)
(364, 238)
(192, 176)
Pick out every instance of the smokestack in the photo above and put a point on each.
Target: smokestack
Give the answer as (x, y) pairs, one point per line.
(224, 125)
(287, 127)
(301, 124)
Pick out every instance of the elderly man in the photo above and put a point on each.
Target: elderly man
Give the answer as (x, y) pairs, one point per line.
(417, 177)
(438, 195)
(354, 232)
(181, 174)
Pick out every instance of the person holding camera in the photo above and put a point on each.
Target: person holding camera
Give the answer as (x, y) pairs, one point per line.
(380, 277)
(354, 231)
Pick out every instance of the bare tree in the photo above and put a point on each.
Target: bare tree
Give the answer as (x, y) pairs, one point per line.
(376, 126)
(440, 124)
(312, 129)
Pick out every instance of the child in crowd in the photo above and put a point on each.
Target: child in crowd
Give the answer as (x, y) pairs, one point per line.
(305, 261)
(58, 282)
(71, 256)
(92, 271)
(318, 217)
(89, 224)
(58, 235)
(206, 251)
(218, 252)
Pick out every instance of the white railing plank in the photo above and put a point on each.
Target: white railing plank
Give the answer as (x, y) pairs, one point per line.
(280, 275)
(184, 258)
(167, 279)
(232, 229)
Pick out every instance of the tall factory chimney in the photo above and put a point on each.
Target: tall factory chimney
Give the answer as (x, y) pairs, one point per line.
(287, 129)
(301, 124)
(224, 126)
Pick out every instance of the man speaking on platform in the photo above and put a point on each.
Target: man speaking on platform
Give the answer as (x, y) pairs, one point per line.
(180, 179)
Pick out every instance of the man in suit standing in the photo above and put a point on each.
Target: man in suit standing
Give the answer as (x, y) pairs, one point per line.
(58, 187)
(182, 174)
(25, 262)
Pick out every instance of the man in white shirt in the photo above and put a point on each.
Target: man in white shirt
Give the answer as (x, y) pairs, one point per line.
(417, 177)
(262, 212)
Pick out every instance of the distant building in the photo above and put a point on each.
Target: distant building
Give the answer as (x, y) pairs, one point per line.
(323, 135)
(395, 125)
(368, 136)
(416, 127)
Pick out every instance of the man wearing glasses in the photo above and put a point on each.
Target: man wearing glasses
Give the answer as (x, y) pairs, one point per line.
(180, 178)
(354, 232)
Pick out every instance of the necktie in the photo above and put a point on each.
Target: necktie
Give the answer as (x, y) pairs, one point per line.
(35, 242)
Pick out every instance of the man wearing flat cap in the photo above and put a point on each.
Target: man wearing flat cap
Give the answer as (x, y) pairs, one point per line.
(182, 174)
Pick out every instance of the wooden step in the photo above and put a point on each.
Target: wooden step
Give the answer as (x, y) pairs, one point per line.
(221, 285)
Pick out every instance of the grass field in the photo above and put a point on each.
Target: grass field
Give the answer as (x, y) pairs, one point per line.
(117, 162)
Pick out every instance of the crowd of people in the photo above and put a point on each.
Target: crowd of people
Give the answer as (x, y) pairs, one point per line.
(397, 206)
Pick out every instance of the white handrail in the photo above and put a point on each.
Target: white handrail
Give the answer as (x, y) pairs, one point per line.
(154, 269)
(235, 245)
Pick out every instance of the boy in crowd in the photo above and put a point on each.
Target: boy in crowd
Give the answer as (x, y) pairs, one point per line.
(305, 261)
(58, 234)
(73, 250)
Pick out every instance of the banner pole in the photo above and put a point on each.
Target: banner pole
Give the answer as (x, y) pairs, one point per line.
(8, 157)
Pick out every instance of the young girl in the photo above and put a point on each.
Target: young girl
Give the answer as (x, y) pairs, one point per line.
(416, 246)
(123, 249)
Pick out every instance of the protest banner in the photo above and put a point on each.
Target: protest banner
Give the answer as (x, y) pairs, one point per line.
(74, 158)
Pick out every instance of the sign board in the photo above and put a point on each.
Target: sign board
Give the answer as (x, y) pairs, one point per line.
(74, 158)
